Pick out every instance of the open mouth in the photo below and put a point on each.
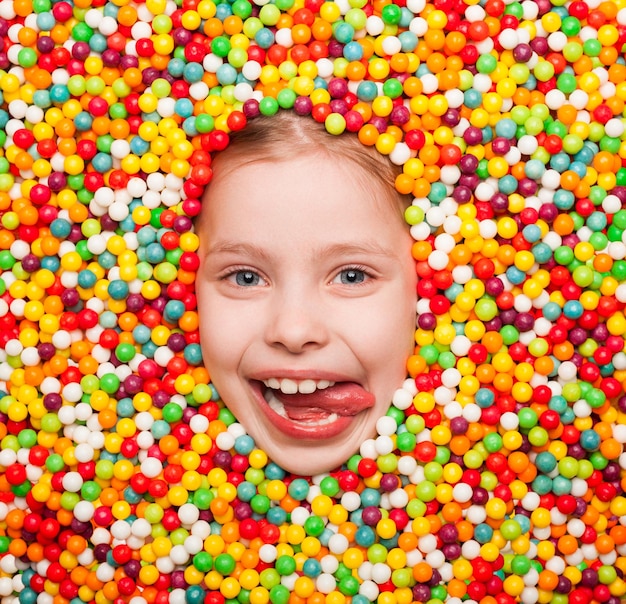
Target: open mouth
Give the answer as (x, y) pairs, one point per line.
(312, 409)
(279, 392)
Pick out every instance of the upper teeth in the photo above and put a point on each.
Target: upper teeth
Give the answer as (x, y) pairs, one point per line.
(287, 386)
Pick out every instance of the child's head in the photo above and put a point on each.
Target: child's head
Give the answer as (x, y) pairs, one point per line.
(306, 289)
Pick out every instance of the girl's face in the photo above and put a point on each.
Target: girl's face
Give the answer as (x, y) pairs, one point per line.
(307, 304)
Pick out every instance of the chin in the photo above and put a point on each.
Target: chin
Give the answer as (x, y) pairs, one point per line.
(308, 462)
(304, 448)
(309, 459)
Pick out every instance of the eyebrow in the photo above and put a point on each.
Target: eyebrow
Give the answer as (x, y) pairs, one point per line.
(338, 249)
(234, 247)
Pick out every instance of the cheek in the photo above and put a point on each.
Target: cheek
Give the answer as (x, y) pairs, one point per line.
(390, 343)
(393, 321)
(220, 330)
(222, 360)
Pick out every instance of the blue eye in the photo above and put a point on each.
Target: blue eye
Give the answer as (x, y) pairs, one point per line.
(352, 276)
(247, 278)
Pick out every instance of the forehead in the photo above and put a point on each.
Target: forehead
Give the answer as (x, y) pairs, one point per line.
(318, 173)
(296, 204)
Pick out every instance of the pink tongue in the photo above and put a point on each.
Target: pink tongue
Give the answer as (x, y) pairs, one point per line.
(345, 398)
(305, 414)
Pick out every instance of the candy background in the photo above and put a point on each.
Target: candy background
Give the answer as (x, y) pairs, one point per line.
(497, 475)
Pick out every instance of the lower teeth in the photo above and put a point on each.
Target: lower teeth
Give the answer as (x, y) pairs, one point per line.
(279, 408)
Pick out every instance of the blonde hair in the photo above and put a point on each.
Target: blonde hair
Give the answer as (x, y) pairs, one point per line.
(286, 134)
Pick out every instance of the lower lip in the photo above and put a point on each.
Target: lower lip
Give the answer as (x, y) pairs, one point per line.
(302, 430)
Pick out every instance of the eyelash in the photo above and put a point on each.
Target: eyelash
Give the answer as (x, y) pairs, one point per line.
(357, 268)
(244, 269)
(241, 269)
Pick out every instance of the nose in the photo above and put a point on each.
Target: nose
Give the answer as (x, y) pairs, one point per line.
(297, 322)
